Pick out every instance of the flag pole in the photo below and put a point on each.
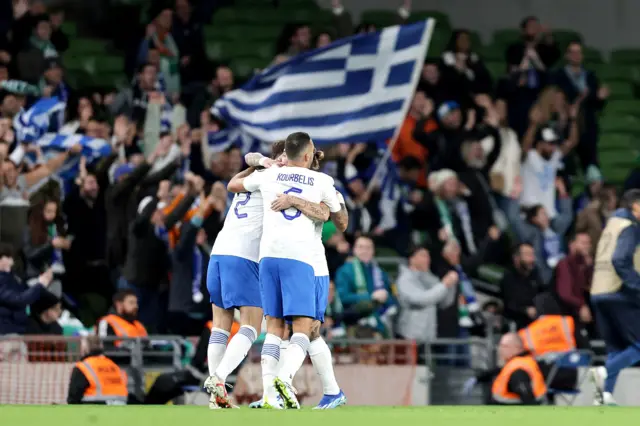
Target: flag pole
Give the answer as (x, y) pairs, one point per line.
(405, 110)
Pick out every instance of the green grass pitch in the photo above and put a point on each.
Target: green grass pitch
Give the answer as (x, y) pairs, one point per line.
(351, 416)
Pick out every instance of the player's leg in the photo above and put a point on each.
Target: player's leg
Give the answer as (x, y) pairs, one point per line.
(284, 344)
(271, 299)
(320, 353)
(222, 322)
(297, 280)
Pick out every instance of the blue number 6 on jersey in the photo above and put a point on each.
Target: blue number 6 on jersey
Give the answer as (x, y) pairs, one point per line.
(241, 203)
(298, 212)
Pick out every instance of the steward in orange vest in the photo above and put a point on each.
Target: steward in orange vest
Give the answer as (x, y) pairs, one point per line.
(123, 322)
(96, 379)
(549, 336)
(520, 381)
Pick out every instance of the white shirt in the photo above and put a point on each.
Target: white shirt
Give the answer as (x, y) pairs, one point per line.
(242, 230)
(539, 180)
(289, 234)
(508, 162)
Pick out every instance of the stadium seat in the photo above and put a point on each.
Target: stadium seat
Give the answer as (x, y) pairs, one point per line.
(109, 64)
(626, 56)
(496, 69)
(612, 72)
(380, 18)
(476, 40)
(231, 50)
(592, 55)
(70, 29)
(298, 4)
(442, 19)
(87, 46)
(617, 124)
(620, 90)
(615, 142)
(246, 67)
(228, 15)
(564, 37)
(621, 159)
(506, 36)
(245, 32)
(492, 53)
(623, 107)
(310, 16)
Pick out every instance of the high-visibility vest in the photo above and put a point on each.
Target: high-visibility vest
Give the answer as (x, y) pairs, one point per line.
(549, 335)
(107, 382)
(124, 328)
(234, 328)
(500, 388)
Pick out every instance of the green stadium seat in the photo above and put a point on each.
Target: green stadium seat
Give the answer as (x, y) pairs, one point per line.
(108, 80)
(242, 32)
(623, 107)
(506, 36)
(621, 158)
(69, 28)
(476, 40)
(626, 56)
(493, 53)
(215, 32)
(564, 37)
(617, 124)
(620, 90)
(592, 55)
(442, 19)
(109, 64)
(232, 50)
(297, 4)
(380, 18)
(612, 72)
(87, 46)
(245, 67)
(439, 42)
(245, 4)
(310, 16)
(615, 142)
(496, 69)
(228, 15)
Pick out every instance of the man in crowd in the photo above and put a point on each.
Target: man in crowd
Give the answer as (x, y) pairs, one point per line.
(573, 278)
(520, 285)
(123, 321)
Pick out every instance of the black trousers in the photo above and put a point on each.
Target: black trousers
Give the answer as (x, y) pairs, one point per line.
(169, 386)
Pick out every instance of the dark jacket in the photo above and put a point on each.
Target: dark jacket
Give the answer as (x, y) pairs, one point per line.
(14, 299)
(623, 255)
(573, 282)
(518, 293)
(182, 274)
(147, 263)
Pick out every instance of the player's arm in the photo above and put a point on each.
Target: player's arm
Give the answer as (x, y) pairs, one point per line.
(237, 183)
(314, 211)
(255, 159)
(341, 217)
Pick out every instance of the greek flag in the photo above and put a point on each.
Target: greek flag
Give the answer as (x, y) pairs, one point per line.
(31, 124)
(357, 89)
(92, 148)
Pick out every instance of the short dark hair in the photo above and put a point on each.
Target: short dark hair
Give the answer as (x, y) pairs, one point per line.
(143, 66)
(295, 144)
(518, 246)
(531, 212)
(122, 294)
(525, 21)
(277, 148)
(6, 250)
(415, 249)
(409, 163)
(630, 198)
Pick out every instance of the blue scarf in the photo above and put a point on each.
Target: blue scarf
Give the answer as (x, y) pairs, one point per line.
(196, 283)
(551, 248)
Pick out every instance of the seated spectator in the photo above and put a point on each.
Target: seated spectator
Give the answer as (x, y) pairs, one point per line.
(573, 278)
(123, 321)
(364, 287)
(543, 152)
(431, 84)
(594, 182)
(420, 294)
(159, 37)
(520, 285)
(581, 86)
(592, 219)
(295, 38)
(16, 296)
(462, 70)
(543, 232)
(323, 39)
(43, 319)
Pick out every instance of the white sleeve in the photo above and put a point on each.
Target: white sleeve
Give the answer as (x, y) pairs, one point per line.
(330, 198)
(252, 182)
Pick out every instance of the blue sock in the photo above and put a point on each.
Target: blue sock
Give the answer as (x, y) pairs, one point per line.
(618, 361)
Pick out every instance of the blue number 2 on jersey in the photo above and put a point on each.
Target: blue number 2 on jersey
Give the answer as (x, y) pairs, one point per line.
(241, 203)
(298, 212)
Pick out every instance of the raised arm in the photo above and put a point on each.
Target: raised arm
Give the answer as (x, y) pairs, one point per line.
(236, 184)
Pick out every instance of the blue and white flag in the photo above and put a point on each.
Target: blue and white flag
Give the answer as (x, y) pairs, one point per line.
(92, 148)
(31, 124)
(357, 89)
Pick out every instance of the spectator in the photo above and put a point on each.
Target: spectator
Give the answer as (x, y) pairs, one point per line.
(159, 37)
(520, 285)
(540, 166)
(188, 36)
(123, 321)
(15, 296)
(592, 219)
(222, 82)
(463, 72)
(407, 144)
(52, 83)
(323, 39)
(46, 240)
(44, 316)
(32, 56)
(573, 278)
(594, 181)
(336, 247)
(581, 87)
(364, 287)
(431, 84)
(295, 38)
(535, 54)
(58, 38)
(420, 293)
(543, 232)
(27, 15)
(133, 101)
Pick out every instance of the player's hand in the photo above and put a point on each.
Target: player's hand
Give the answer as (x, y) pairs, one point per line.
(283, 202)
(268, 162)
(380, 296)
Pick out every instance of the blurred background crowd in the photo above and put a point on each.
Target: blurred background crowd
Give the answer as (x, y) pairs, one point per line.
(505, 169)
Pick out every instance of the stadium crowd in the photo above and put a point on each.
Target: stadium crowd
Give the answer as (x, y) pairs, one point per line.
(483, 172)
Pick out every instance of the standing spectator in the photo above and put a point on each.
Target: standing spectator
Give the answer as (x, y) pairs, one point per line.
(198, 109)
(581, 86)
(45, 239)
(58, 38)
(32, 56)
(540, 166)
(27, 14)
(520, 285)
(573, 278)
(159, 37)
(535, 54)
(592, 219)
(462, 71)
(431, 84)
(295, 38)
(594, 184)
(420, 293)
(543, 232)
(364, 286)
(15, 296)
(187, 33)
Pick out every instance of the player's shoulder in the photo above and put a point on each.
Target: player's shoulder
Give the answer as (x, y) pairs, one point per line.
(322, 177)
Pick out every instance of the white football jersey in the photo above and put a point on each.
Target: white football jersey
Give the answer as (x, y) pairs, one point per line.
(242, 229)
(289, 234)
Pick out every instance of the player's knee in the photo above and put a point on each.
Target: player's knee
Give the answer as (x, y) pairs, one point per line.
(303, 325)
(315, 331)
(222, 318)
(275, 326)
(251, 315)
